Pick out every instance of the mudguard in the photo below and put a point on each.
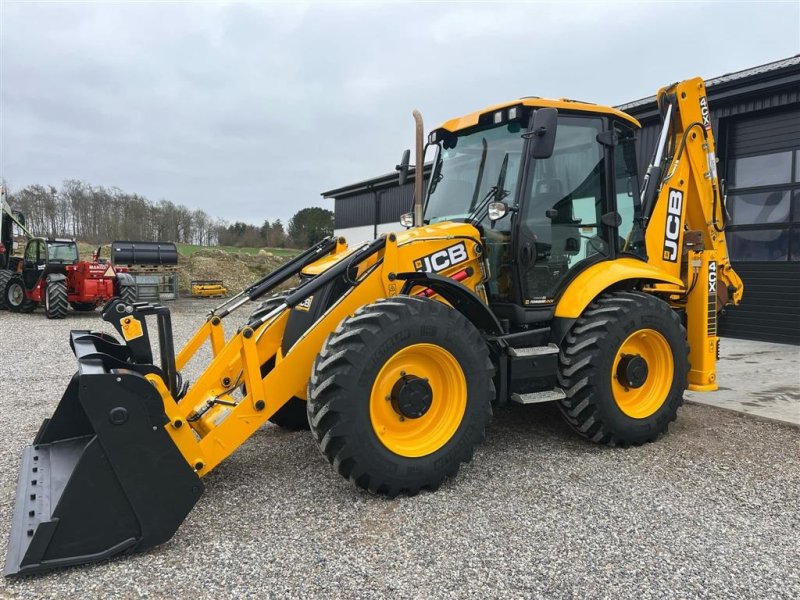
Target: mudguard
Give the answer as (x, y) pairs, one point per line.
(458, 296)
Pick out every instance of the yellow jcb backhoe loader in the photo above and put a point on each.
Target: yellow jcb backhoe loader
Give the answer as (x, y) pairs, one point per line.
(537, 271)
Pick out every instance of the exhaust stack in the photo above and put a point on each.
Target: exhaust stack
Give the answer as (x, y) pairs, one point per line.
(419, 168)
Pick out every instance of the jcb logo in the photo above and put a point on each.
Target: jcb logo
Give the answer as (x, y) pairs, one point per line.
(705, 113)
(442, 259)
(672, 228)
(305, 304)
(712, 277)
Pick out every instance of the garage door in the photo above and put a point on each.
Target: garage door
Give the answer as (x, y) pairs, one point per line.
(763, 172)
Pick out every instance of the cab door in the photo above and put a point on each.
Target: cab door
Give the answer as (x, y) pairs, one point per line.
(565, 196)
(33, 263)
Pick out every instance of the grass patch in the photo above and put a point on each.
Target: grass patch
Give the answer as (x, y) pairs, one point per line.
(189, 249)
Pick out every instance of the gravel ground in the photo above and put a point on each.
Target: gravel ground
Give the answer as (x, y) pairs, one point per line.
(711, 510)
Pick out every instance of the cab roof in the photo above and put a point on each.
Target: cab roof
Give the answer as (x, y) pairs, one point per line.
(472, 119)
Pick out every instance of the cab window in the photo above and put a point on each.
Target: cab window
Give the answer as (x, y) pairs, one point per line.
(630, 237)
(564, 201)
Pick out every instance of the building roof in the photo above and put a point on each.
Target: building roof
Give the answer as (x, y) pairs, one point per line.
(715, 86)
(374, 183)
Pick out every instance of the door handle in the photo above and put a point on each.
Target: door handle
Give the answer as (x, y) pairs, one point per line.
(526, 255)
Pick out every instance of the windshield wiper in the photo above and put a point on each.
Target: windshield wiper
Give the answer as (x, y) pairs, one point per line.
(479, 180)
(496, 194)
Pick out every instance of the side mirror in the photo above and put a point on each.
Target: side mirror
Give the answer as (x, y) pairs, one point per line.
(402, 168)
(407, 219)
(543, 132)
(497, 210)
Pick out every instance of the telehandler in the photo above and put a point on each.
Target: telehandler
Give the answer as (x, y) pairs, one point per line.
(537, 271)
(51, 274)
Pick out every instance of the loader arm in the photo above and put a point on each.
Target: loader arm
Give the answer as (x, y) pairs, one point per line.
(220, 420)
(684, 215)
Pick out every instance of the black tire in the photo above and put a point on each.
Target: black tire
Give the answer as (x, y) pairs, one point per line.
(342, 382)
(55, 299)
(292, 416)
(127, 293)
(5, 275)
(83, 306)
(14, 296)
(587, 369)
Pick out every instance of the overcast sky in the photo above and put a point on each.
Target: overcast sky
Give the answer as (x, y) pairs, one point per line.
(249, 111)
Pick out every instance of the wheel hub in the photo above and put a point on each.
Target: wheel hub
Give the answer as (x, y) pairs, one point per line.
(632, 371)
(16, 294)
(411, 396)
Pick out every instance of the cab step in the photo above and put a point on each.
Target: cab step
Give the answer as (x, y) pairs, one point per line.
(536, 397)
(533, 351)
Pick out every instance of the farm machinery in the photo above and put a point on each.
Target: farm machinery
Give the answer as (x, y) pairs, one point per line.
(50, 274)
(534, 269)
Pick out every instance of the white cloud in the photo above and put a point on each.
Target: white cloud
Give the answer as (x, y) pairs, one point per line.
(250, 110)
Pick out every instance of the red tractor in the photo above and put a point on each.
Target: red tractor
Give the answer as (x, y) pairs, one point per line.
(50, 273)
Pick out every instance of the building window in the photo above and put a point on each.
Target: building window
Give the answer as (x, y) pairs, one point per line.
(764, 207)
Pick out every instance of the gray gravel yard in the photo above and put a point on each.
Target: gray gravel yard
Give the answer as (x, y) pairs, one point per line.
(711, 510)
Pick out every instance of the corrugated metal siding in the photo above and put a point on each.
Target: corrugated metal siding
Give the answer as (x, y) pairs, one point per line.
(770, 132)
(360, 210)
(770, 309)
(750, 105)
(354, 211)
(744, 98)
(394, 202)
(399, 200)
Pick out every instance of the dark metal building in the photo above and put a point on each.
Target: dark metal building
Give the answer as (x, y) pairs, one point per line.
(365, 209)
(756, 122)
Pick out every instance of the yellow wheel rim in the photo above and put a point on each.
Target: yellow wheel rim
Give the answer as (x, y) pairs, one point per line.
(636, 400)
(415, 437)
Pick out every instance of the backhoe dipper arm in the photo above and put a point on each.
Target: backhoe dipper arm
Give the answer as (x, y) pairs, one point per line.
(684, 215)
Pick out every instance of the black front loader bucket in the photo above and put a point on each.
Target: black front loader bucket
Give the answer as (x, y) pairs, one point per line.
(102, 476)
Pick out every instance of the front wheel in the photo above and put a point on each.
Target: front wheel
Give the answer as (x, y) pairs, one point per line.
(55, 299)
(14, 296)
(401, 394)
(624, 367)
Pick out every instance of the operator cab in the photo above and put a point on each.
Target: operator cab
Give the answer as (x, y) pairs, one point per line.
(553, 187)
(44, 256)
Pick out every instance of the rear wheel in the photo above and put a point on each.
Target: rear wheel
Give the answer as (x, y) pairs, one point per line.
(5, 275)
(401, 394)
(127, 293)
(292, 415)
(15, 297)
(624, 368)
(55, 299)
